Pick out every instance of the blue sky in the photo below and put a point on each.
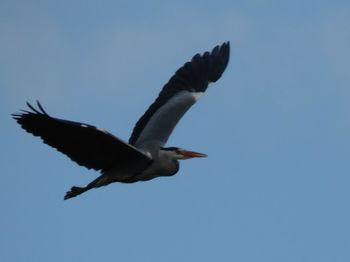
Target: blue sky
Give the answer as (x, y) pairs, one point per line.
(276, 127)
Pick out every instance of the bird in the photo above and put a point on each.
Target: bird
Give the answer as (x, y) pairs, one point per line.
(145, 156)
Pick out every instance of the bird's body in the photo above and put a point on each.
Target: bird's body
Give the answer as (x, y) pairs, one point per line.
(145, 156)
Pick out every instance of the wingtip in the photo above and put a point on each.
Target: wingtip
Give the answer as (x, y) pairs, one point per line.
(224, 46)
(220, 57)
(41, 107)
(15, 116)
(40, 111)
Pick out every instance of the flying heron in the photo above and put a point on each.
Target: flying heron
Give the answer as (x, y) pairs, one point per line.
(145, 156)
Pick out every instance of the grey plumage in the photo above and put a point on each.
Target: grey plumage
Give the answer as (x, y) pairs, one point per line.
(145, 157)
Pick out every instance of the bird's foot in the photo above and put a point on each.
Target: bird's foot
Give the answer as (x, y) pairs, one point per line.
(74, 191)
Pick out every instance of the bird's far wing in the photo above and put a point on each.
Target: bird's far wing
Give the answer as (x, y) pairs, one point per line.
(178, 95)
(85, 144)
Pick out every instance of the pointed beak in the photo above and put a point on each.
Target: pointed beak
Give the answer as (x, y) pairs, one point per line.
(191, 154)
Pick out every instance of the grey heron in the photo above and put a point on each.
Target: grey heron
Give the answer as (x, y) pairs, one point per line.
(145, 156)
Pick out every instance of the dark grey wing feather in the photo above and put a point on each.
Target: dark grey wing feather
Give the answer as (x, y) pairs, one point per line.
(176, 97)
(85, 144)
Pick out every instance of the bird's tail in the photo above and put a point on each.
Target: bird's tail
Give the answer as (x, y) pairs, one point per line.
(74, 191)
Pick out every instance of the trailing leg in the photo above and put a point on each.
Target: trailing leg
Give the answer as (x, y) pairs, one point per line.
(102, 180)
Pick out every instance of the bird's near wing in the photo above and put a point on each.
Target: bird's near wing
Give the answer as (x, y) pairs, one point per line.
(178, 95)
(85, 144)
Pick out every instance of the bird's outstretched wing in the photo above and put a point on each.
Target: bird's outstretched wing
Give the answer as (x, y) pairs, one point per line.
(178, 95)
(85, 144)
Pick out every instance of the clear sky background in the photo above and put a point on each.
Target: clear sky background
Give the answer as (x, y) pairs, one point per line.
(276, 127)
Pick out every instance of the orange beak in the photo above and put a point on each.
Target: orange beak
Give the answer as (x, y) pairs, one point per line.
(191, 154)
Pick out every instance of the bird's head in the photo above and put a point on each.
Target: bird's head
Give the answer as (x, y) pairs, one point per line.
(180, 154)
